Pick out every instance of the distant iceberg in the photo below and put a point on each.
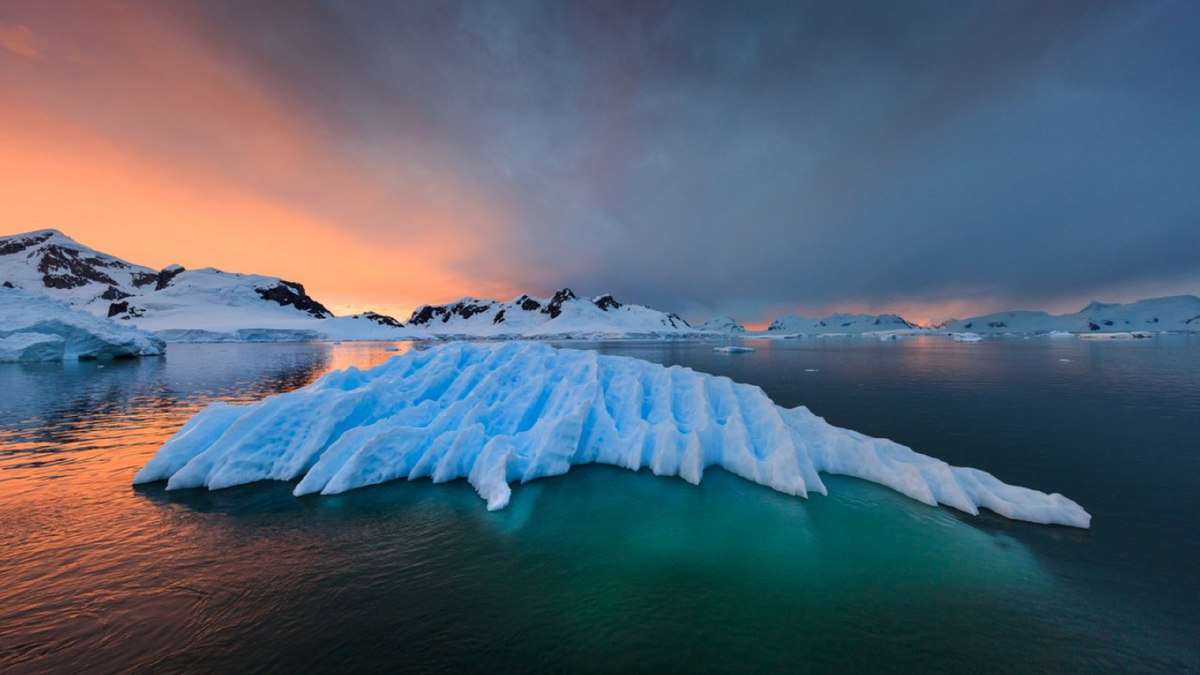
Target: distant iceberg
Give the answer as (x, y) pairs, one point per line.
(34, 327)
(519, 411)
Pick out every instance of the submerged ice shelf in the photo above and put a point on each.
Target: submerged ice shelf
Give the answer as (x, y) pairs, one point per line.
(519, 411)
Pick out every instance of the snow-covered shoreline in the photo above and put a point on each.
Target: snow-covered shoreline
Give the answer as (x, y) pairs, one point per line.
(211, 305)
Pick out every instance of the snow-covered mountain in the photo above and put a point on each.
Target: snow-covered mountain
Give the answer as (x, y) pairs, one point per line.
(1172, 313)
(851, 324)
(182, 305)
(56, 265)
(721, 324)
(564, 314)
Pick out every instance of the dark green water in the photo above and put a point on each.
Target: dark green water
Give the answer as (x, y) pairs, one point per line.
(604, 569)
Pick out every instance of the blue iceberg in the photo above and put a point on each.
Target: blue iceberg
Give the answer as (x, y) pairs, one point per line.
(498, 414)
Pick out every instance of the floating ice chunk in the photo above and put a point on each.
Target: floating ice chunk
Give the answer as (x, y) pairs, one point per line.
(31, 347)
(25, 313)
(733, 349)
(1065, 360)
(967, 337)
(1061, 334)
(520, 411)
(1106, 336)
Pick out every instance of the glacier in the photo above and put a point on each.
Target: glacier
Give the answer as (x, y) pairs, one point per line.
(498, 414)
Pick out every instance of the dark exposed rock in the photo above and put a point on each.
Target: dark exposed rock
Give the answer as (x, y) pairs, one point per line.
(529, 304)
(8, 284)
(67, 268)
(969, 324)
(425, 314)
(144, 279)
(291, 294)
(607, 302)
(164, 278)
(846, 324)
(1106, 322)
(114, 293)
(499, 317)
(381, 319)
(123, 310)
(1092, 326)
(997, 324)
(554, 307)
(17, 245)
(63, 281)
(466, 310)
(676, 320)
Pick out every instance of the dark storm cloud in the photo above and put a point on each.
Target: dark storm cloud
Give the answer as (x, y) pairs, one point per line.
(725, 156)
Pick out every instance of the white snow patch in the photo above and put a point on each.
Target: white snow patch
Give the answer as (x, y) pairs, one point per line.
(520, 411)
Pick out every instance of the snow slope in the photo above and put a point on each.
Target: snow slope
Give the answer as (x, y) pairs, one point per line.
(39, 319)
(519, 411)
(1173, 313)
(56, 265)
(851, 324)
(206, 305)
(721, 324)
(563, 315)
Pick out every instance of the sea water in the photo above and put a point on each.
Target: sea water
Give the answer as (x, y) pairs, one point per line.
(606, 569)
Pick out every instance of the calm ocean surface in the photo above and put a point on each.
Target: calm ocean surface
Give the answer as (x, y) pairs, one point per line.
(606, 569)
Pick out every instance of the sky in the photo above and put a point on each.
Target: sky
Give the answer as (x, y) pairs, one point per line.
(933, 159)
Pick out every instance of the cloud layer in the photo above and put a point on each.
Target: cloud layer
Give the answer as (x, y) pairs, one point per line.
(708, 158)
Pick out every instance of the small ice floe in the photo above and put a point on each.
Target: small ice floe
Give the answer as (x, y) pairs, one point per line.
(733, 349)
(1106, 336)
(1060, 334)
(967, 337)
(811, 370)
(1065, 360)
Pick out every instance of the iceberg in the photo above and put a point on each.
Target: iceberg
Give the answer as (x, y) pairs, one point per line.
(967, 337)
(498, 414)
(30, 321)
(31, 347)
(733, 349)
